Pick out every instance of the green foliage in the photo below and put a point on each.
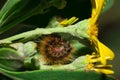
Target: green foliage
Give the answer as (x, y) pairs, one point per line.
(10, 59)
(7, 8)
(32, 63)
(55, 75)
(10, 12)
(13, 13)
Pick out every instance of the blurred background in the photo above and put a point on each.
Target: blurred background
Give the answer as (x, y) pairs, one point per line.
(110, 33)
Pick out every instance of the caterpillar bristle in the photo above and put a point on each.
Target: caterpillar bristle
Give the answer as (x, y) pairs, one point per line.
(54, 50)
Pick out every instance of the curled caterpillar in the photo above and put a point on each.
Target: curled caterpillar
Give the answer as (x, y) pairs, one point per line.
(54, 50)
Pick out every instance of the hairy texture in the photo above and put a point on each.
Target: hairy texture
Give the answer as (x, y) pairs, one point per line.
(55, 51)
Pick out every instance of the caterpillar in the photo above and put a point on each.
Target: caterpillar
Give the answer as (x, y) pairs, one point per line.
(54, 50)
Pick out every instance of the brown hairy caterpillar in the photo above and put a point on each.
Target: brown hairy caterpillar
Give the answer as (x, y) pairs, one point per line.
(54, 50)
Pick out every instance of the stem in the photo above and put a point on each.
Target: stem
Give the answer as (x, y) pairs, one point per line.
(79, 30)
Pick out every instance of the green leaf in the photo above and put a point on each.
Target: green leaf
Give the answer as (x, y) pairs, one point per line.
(6, 8)
(23, 10)
(54, 75)
(9, 59)
(10, 11)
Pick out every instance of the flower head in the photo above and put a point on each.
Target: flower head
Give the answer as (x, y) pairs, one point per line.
(103, 53)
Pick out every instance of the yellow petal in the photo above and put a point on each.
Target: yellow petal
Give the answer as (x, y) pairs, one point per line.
(105, 71)
(103, 66)
(97, 6)
(69, 21)
(104, 52)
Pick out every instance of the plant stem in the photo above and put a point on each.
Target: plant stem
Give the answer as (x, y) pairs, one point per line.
(78, 30)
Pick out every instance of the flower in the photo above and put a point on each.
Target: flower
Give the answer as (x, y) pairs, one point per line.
(103, 53)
